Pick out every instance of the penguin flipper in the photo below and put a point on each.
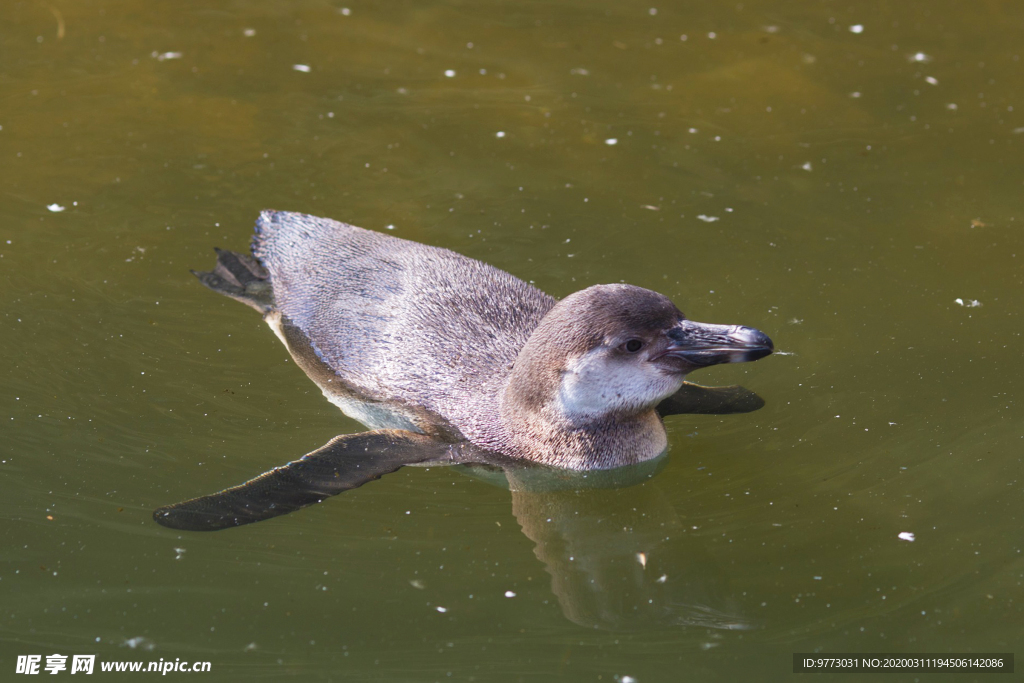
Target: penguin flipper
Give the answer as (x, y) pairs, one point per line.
(697, 400)
(343, 463)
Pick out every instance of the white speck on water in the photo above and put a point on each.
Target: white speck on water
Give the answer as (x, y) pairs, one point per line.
(344, 11)
(707, 219)
(968, 303)
(162, 56)
(442, 610)
(450, 73)
(249, 32)
(807, 166)
(931, 80)
(389, 226)
(304, 68)
(579, 72)
(919, 57)
(642, 559)
(625, 679)
(251, 647)
(138, 642)
(417, 583)
(951, 106)
(857, 28)
(817, 578)
(510, 594)
(712, 35)
(611, 141)
(661, 579)
(906, 536)
(500, 134)
(653, 11)
(178, 552)
(56, 208)
(855, 95)
(692, 131)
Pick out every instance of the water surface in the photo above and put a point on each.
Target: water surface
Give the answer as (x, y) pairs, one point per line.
(854, 192)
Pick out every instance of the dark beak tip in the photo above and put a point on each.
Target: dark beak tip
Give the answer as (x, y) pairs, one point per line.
(758, 344)
(756, 337)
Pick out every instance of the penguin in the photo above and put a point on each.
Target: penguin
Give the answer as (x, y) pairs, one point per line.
(449, 360)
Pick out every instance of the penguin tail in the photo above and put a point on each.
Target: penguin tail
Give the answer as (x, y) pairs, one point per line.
(240, 277)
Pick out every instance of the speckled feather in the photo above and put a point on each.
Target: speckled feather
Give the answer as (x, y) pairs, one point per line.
(397, 320)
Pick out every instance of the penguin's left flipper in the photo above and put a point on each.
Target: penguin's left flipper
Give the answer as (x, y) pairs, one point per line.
(698, 400)
(343, 463)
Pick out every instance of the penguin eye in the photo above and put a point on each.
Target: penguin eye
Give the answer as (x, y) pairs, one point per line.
(633, 345)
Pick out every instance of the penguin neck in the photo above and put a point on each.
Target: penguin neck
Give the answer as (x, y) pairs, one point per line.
(536, 426)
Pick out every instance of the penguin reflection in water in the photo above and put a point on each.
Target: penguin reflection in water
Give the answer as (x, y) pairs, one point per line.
(451, 361)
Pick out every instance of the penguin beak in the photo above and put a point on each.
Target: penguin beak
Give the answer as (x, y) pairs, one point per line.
(701, 345)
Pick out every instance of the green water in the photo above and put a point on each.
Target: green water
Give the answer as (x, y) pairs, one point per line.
(853, 186)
